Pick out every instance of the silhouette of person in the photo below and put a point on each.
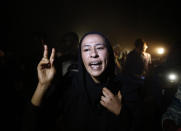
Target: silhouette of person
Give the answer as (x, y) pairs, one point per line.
(66, 55)
(133, 77)
(138, 60)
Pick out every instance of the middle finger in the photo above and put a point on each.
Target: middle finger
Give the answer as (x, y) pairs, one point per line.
(45, 53)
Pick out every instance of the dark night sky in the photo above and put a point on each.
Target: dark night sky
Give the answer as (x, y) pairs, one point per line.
(123, 22)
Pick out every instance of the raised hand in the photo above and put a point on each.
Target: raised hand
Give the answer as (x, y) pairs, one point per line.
(45, 68)
(111, 102)
(46, 73)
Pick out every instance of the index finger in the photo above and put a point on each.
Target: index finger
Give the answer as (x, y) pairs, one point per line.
(45, 53)
(52, 57)
(107, 92)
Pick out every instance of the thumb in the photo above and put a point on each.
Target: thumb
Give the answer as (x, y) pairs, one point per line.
(119, 95)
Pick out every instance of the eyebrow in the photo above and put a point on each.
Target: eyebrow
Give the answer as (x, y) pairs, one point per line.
(87, 45)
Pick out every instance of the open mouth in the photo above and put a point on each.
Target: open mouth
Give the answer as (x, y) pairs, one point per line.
(95, 65)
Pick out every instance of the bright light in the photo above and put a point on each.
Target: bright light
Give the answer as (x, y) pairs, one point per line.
(160, 51)
(172, 77)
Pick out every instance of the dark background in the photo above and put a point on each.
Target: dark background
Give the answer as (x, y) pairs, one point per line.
(124, 21)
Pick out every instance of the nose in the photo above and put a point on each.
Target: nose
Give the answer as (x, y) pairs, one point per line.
(94, 53)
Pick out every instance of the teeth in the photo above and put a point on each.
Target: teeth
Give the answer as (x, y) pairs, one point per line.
(95, 63)
(95, 67)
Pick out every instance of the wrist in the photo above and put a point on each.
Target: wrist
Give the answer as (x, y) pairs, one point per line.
(43, 86)
(118, 111)
(38, 94)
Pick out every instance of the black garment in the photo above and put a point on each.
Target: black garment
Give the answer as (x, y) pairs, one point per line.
(63, 62)
(73, 108)
(133, 95)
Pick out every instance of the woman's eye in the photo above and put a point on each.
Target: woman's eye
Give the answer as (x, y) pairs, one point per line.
(100, 48)
(86, 50)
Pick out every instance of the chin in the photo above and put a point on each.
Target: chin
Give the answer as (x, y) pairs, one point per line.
(96, 74)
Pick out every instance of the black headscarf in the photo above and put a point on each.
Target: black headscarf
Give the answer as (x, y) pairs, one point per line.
(92, 89)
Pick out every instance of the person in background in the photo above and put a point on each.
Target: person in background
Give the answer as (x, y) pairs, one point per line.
(133, 83)
(117, 56)
(171, 119)
(138, 60)
(67, 53)
(120, 58)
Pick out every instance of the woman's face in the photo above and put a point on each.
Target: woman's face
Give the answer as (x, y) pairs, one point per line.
(94, 55)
